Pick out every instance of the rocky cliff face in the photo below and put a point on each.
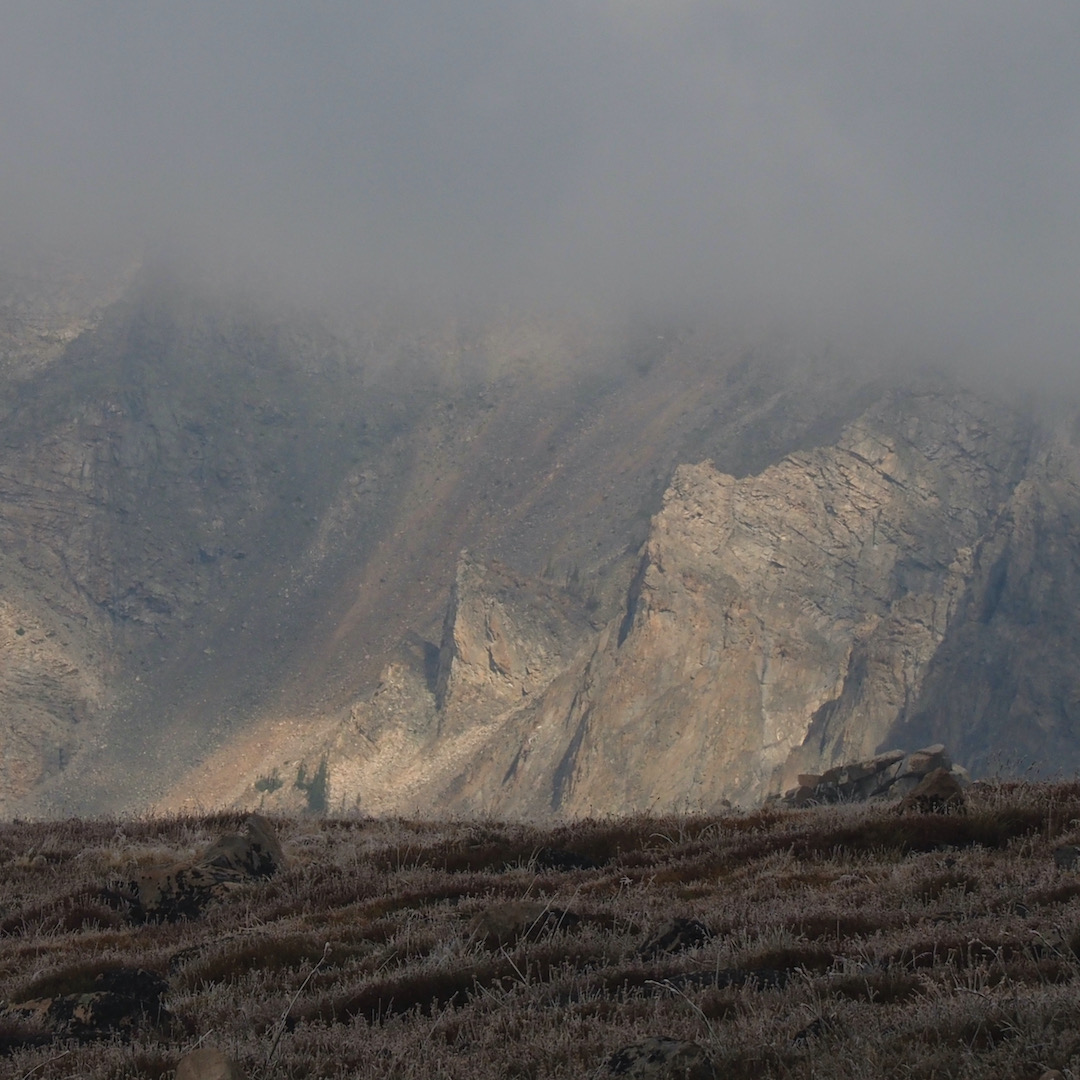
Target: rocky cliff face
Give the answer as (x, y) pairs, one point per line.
(230, 567)
(914, 581)
(1004, 683)
(783, 623)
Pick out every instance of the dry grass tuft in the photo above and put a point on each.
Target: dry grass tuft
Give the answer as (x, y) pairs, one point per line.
(840, 941)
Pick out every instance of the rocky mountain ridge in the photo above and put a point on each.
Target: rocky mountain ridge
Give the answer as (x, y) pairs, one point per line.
(232, 542)
(780, 624)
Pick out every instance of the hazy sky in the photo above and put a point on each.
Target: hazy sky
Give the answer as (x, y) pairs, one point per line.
(899, 171)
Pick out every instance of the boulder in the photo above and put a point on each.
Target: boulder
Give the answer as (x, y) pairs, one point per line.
(893, 774)
(803, 795)
(887, 759)
(516, 920)
(939, 792)
(662, 1058)
(208, 1064)
(927, 760)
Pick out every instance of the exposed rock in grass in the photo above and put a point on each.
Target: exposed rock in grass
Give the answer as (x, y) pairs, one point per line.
(939, 792)
(505, 924)
(122, 1001)
(890, 775)
(208, 1064)
(925, 761)
(662, 1058)
(674, 936)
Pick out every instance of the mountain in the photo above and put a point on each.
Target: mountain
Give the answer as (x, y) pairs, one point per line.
(505, 564)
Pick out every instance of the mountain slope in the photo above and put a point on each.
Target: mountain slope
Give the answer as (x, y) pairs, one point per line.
(822, 610)
(231, 540)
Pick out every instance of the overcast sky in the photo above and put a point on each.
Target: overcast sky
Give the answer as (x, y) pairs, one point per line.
(903, 171)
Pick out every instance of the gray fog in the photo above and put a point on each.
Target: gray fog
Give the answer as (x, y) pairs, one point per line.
(899, 177)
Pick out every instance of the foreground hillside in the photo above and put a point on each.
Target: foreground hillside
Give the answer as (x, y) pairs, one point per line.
(848, 941)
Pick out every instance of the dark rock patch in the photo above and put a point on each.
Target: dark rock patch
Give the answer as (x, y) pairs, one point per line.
(662, 1058)
(938, 793)
(675, 935)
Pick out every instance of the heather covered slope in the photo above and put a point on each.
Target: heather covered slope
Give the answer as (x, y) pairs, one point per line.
(848, 941)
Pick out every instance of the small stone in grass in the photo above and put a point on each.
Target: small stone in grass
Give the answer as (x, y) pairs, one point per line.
(208, 1064)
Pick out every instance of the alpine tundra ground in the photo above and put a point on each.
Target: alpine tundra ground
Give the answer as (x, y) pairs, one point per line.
(846, 941)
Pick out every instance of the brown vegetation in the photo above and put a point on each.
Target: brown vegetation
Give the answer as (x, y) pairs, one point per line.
(846, 941)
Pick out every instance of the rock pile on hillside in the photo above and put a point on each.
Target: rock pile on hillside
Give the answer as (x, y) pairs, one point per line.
(184, 889)
(938, 792)
(894, 774)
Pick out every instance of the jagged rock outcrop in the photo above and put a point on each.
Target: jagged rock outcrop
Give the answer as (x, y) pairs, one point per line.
(227, 537)
(224, 517)
(1003, 688)
(893, 774)
(503, 638)
(779, 625)
(783, 623)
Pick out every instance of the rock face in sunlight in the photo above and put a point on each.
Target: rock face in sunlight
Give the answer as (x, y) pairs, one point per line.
(506, 567)
(776, 626)
(781, 623)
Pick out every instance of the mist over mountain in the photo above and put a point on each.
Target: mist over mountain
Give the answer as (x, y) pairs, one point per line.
(525, 565)
(898, 183)
(482, 409)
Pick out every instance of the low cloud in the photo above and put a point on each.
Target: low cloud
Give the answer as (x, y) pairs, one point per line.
(901, 178)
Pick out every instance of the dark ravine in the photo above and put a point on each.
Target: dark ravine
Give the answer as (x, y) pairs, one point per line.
(502, 567)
